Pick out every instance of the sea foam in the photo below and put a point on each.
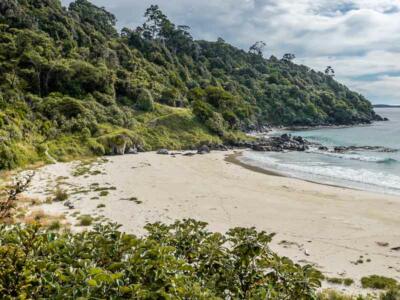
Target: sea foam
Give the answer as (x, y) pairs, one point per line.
(326, 173)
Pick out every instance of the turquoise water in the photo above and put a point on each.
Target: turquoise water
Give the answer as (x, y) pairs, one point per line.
(367, 170)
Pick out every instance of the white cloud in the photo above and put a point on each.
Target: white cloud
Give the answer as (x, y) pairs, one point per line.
(354, 66)
(359, 38)
(384, 86)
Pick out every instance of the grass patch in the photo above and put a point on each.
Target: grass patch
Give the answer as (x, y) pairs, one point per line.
(85, 220)
(43, 219)
(55, 225)
(104, 193)
(86, 168)
(61, 178)
(340, 281)
(348, 281)
(133, 199)
(335, 295)
(80, 191)
(100, 189)
(101, 205)
(60, 195)
(378, 282)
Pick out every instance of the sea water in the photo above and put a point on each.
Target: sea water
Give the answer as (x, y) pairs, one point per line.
(368, 170)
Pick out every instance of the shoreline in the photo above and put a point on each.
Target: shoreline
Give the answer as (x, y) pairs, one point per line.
(328, 227)
(235, 159)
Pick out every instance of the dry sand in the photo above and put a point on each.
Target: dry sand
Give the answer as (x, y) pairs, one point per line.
(330, 227)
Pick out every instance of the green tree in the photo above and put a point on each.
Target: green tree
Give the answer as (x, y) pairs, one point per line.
(145, 100)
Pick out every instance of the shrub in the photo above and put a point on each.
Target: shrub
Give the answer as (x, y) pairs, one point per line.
(104, 193)
(169, 96)
(145, 100)
(378, 282)
(335, 280)
(216, 124)
(348, 281)
(96, 148)
(338, 280)
(60, 195)
(202, 110)
(334, 295)
(85, 220)
(393, 294)
(8, 159)
(179, 261)
(55, 225)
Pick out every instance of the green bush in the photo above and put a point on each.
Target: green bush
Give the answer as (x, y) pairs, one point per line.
(60, 195)
(169, 96)
(378, 282)
(338, 280)
(393, 294)
(348, 281)
(216, 124)
(202, 110)
(335, 295)
(85, 220)
(145, 100)
(96, 148)
(8, 159)
(179, 261)
(55, 225)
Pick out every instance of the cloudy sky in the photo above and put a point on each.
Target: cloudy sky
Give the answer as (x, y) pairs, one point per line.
(359, 38)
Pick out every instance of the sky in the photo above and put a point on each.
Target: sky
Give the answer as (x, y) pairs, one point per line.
(360, 39)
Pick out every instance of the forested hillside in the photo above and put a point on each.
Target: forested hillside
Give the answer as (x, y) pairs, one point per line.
(71, 85)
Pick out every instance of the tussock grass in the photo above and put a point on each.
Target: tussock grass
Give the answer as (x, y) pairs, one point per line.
(378, 282)
(85, 220)
(60, 195)
(341, 281)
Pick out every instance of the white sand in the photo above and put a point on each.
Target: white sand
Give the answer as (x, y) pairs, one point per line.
(329, 226)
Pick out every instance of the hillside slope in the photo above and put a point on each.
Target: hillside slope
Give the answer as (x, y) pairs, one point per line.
(71, 85)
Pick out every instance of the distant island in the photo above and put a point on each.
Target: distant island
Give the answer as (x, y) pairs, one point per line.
(385, 106)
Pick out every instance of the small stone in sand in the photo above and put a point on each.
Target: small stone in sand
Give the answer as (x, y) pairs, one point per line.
(382, 244)
(163, 152)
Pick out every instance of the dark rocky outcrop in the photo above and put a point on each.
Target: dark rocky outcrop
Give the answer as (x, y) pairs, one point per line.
(285, 142)
(132, 150)
(163, 152)
(323, 148)
(69, 204)
(204, 149)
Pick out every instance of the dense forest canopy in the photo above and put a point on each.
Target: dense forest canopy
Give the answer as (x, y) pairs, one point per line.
(71, 85)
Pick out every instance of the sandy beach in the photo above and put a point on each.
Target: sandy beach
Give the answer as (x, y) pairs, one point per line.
(341, 231)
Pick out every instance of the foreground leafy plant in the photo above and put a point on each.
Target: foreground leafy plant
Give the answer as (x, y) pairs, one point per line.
(179, 261)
